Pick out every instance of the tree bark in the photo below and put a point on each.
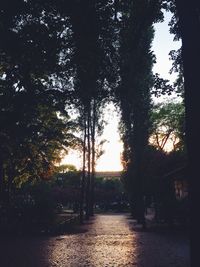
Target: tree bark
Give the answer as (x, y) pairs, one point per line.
(88, 184)
(82, 197)
(93, 128)
(1, 180)
(189, 19)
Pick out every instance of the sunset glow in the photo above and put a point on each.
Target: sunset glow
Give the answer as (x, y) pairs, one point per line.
(111, 159)
(113, 147)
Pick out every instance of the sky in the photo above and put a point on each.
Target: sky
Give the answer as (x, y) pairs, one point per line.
(111, 159)
(163, 43)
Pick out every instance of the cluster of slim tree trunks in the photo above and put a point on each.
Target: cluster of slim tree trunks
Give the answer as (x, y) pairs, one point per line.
(88, 167)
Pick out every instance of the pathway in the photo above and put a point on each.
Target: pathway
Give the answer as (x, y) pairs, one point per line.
(106, 241)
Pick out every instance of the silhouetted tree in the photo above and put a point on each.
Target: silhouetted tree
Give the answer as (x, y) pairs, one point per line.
(136, 80)
(34, 122)
(189, 27)
(93, 59)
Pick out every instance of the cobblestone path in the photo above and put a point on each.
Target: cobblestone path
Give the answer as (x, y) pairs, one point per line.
(106, 241)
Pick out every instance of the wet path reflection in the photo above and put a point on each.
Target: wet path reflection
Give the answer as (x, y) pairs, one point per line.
(106, 241)
(109, 242)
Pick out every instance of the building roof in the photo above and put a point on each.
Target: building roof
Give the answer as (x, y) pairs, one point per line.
(178, 173)
(108, 174)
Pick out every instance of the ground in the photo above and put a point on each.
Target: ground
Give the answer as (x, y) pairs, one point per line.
(105, 241)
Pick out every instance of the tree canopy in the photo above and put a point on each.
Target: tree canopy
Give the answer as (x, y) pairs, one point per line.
(58, 56)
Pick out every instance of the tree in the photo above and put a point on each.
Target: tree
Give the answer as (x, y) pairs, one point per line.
(168, 124)
(133, 93)
(34, 123)
(188, 15)
(93, 51)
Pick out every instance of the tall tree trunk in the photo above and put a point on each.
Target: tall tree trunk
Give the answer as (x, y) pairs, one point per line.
(188, 12)
(139, 194)
(138, 146)
(88, 184)
(9, 187)
(82, 197)
(93, 129)
(1, 180)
